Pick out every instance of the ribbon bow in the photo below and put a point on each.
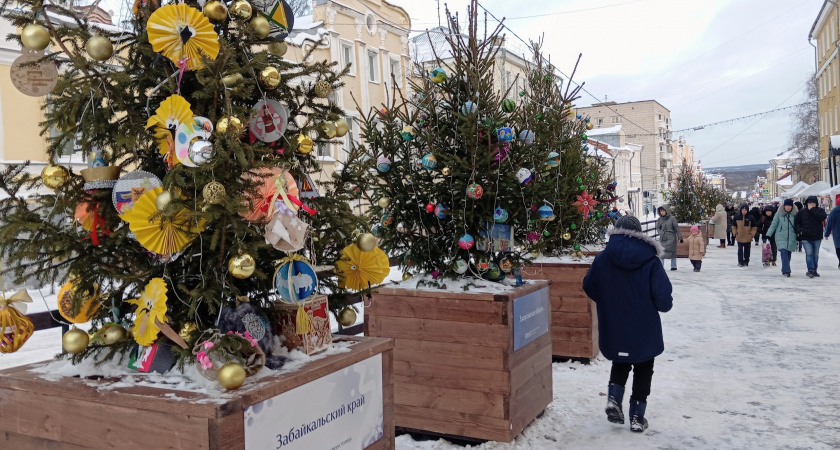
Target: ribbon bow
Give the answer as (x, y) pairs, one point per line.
(289, 200)
(182, 67)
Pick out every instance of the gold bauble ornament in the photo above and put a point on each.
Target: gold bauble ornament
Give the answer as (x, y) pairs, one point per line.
(341, 127)
(270, 78)
(305, 144)
(163, 200)
(278, 48)
(241, 9)
(113, 334)
(215, 11)
(589, 125)
(99, 48)
(366, 242)
(35, 37)
(75, 341)
(347, 316)
(242, 266)
(232, 375)
(186, 329)
(323, 89)
(230, 121)
(260, 26)
(567, 236)
(384, 202)
(54, 176)
(231, 81)
(329, 129)
(445, 171)
(214, 192)
(406, 276)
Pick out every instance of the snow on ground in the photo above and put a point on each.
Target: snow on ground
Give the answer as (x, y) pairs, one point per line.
(751, 361)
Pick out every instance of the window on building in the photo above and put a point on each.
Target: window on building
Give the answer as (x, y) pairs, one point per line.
(508, 79)
(600, 121)
(348, 57)
(370, 23)
(836, 120)
(373, 66)
(350, 137)
(324, 149)
(660, 117)
(616, 119)
(396, 71)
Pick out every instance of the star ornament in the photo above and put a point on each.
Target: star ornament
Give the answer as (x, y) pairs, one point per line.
(585, 204)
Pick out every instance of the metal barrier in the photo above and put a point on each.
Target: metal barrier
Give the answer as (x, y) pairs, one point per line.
(648, 227)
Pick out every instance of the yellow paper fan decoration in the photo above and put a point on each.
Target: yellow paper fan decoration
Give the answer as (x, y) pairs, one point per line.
(358, 270)
(182, 32)
(151, 308)
(172, 112)
(165, 238)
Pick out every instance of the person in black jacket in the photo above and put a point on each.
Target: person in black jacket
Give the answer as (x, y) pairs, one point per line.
(730, 222)
(809, 230)
(630, 331)
(756, 213)
(764, 227)
(800, 207)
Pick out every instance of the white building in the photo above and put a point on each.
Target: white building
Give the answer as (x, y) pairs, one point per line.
(626, 163)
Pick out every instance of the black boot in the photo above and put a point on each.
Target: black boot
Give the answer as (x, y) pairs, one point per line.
(614, 400)
(638, 423)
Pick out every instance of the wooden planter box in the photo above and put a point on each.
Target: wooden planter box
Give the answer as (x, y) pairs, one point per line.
(458, 366)
(574, 319)
(682, 248)
(73, 413)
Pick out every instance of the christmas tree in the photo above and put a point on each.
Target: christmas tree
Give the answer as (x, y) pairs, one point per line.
(693, 199)
(197, 199)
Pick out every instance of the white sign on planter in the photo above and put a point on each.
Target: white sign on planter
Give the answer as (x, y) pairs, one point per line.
(339, 411)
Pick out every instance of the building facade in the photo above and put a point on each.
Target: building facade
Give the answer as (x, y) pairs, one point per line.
(625, 159)
(826, 32)
(646, 123)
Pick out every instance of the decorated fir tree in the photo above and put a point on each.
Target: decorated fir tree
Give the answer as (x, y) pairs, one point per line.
(693, 199)
(197, 209)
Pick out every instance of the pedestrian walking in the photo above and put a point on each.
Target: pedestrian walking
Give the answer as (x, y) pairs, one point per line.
(730, 222)
(800, 207)
(832, 228)
(696, 248)
(783, 231)
(756, 213)
(669, 232)
(809, 229)
(719, 220)
(763, 228)
(630, 331)
(744, 231)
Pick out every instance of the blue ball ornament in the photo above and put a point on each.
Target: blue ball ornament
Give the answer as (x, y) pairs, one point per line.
(505, 134)
(429, 161)
(469, 108)
(295, 281)
(579, 116)
(383, 164)
(553, 159)
(545, 212)
(527, 136)
(586, 120)
(466, 242)
(500, 215)
(438, 75)
(441, 211)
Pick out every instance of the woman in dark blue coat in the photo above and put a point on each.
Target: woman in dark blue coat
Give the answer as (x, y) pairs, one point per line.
(833, 226)
(630, 288)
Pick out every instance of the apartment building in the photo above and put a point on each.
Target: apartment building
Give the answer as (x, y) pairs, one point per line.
(625, 164)
(648, 124)
(682, 156)
(826, 33)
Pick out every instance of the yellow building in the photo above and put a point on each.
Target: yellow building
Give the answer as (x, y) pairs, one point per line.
(826, 33)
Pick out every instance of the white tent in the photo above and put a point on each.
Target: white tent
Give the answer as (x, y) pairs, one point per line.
(831, 192)
(813, 189)
(792, 192)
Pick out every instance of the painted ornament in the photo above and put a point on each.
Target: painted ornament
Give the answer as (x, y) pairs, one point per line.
(483, 264)
(475, 191)
(500, 215)
(505, 134)
(387, 220)
(546, 213)
(438, 75)
(527, 136)
(269, 123)
(553, 159)
(469, 108)
(493, 271)
(441, 211)
(506, 265)
(429, 161)
(508, 105)
(466, 242)
(383, 164)
(461, 266)
(523, 175)
(407, 133)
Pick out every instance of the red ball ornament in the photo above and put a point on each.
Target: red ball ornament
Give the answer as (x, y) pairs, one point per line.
(430, 208)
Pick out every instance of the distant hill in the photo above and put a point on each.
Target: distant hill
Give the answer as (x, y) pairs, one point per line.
(740, 178)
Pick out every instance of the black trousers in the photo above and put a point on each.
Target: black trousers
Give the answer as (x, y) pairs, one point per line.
(837, 250)
(697, 263)
(730, 238)
(744, 253)
(756, 238)
(642, 375)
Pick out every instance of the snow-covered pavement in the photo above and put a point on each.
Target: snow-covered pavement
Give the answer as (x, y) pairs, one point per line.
(752, 360)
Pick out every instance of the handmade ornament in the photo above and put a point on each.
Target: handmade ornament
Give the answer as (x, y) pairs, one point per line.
(546, 213)
(15, 327)
(508, 105)
(183, 34)
(305, 144)
(295, 281)
(171, 113)
(270, 77)
(438, 75)
(366, 242)
(192, 138)
(585, 204)
(232, 376)
(460, 266)
(383, 164)
(341, 128)
(493, 271)
(216, 11)
(99, 48)
(32, 76)
(527, 136)
(241, 9)
(272, 185)
(500, 215)
(441, 211)
(54, 176)
(429, 161)
(505, 134)
(475, 191)
(322, 89)
(286, 231)
(74, 341)
(553, 159)
(150, 313)
(163, 237)
(242, 266)
(466, 242)
(87, 309)
(214, 193)
(523, 175)
(483, 264)
(407, 133)
(35, 37)
(260, 26)
(469, 108)
(358, 269)
(384, 202)
(506, 265)
(280, 16)
(130, 187)
(270, 121)
(387, 220)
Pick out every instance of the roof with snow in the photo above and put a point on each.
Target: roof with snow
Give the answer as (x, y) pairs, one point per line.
(426, 45)
(306, 30)
(615, 129)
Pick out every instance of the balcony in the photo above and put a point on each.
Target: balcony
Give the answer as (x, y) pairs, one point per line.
(666, 156)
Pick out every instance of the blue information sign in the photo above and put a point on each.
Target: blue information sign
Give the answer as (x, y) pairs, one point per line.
(531, 317)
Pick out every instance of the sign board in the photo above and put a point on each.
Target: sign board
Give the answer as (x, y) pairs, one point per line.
(531, 317)
(339, 411)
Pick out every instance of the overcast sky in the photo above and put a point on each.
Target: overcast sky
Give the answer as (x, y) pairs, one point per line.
(704, 60)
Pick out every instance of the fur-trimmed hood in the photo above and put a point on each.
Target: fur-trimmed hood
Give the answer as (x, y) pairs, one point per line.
(630, 249)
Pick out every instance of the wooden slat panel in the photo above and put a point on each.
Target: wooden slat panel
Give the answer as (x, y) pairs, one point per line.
(571, 319)
(452, 377)
(572, 349)
(456, 424)
(571, 304)
(438, 331)
(16, 441)
(457, 310)
(83, 423)
(388, 419)
(571, 334)
(521, 374)
(518, 357)
(454, 400)
(570, 289)
(446, 354)
(531, 399)
(433, 294)
(228, 433)
(382, 444)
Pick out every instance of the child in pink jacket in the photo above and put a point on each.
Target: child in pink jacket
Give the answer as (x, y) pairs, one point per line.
(696, 248)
